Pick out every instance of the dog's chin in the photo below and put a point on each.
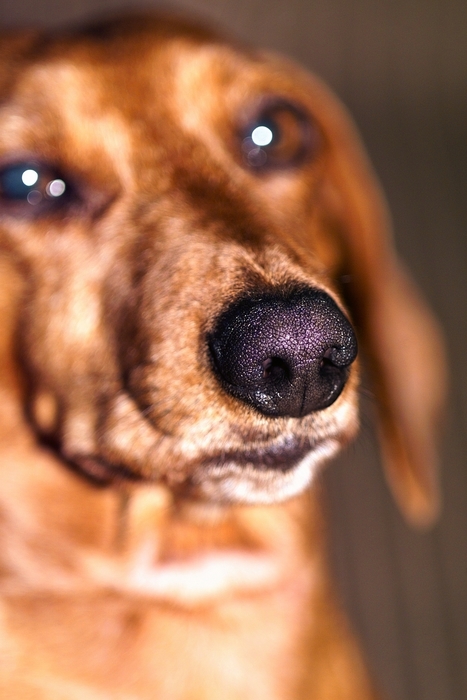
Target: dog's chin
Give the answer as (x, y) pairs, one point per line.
(257, 476)
(261, 478)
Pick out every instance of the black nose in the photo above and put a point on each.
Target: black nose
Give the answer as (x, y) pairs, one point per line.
(284, 354)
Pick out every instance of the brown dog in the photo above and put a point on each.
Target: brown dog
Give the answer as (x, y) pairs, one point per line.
(186, 229)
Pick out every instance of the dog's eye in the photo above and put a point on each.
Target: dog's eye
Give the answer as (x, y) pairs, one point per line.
(280, 135)
(31, 185)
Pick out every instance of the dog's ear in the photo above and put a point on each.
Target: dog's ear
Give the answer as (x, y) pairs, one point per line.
(398, 334)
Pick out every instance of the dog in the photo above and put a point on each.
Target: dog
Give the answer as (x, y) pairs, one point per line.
(194, 252)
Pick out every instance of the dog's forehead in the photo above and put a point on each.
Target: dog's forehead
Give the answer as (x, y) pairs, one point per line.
(137, 111)
(122, 99)
(146, 75)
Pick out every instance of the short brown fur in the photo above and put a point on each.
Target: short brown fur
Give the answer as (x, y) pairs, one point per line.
(110, 410)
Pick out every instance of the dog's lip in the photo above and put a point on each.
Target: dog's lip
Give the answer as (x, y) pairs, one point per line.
(281, 456)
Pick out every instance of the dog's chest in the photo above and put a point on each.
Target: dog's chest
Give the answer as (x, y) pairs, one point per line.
(104, 646)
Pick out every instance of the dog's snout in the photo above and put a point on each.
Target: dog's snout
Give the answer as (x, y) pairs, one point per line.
(284, 354)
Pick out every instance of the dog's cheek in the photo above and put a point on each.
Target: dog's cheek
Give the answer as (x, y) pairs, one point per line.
(64, 348)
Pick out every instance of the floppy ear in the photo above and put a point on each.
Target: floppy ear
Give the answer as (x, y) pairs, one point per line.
(398, 334)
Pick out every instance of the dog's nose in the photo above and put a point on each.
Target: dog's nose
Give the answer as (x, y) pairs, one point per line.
(284, 354)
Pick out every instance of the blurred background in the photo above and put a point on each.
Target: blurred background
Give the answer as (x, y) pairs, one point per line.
(401, 68)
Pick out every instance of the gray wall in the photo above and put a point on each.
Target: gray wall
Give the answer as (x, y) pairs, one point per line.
(401, 66)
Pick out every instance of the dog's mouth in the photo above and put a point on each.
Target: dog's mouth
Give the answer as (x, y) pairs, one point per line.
(96, 469)
(266, 461)
(267, 472)
(263, 475)
(280, 457)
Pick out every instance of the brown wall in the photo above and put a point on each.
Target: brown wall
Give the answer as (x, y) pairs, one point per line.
(401, 66)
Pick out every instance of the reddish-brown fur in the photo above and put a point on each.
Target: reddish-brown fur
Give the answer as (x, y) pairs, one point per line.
(124, 571)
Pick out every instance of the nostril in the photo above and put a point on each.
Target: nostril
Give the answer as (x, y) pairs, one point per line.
(276, 370)
(338, 358)
(333, 371)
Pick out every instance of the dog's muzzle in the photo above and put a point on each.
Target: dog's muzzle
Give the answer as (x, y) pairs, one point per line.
(284, 354)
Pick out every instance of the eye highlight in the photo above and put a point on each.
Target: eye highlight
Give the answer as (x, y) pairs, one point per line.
(31, 186)
(280, 135)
